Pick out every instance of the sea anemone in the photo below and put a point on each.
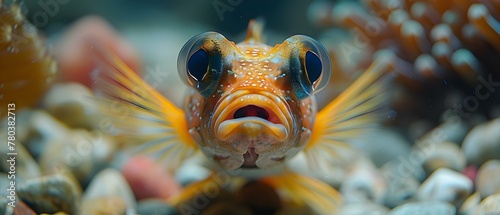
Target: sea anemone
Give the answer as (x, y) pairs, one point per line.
(26, 67)
(438, 47)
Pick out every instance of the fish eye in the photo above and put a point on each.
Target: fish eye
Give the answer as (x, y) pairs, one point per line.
(313, 67)
(309, 65)
(198, 64)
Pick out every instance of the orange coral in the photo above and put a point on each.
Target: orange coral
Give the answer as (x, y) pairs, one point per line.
(26, 67)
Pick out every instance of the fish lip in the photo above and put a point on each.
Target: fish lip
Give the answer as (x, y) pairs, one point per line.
(274, 105)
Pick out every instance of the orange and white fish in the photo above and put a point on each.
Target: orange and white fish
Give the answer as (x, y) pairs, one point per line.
(251, 107)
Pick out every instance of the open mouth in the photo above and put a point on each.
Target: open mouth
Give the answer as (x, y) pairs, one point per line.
(251, 110)
(256, 111)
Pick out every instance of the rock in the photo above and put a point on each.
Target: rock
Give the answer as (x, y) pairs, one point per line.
(488, 178)
(25, 165)
(481, 144)
(471, 172)
(444, 155)
(402, 184)
(148, 179)
(193, 170)
(453, 129)
(73, 104)
(331, 170)
(22, 208)
(43, 130)
(364, 209)
(108, 184)
(490, 205)
(81, 152)
(155, 206)
(427, 208)
(4, 208)
(382, 145)
(104, 205)
(364, 183)
(445, 185)
(470, 204)
(50, 194)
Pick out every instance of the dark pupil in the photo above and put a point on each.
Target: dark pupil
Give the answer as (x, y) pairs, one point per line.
(198, 64)
(313, 66)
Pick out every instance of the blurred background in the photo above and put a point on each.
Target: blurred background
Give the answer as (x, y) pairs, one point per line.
(439, 148)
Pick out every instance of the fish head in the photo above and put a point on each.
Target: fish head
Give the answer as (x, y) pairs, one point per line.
(252, 105)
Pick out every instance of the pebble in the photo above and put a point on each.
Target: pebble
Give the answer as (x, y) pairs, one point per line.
(192, 170)
(402, 185)
(43, 129)
(470, 204)
(22, 208)
(4, 209)
(445, 185)
(382, 145)
(488, 178)
(104, 205)
(25, 166)
(427, 208)
(73, 104)
(444, 155)
(452, 129)
(108, 184)
(481, 144)
(364, 183)
(155, 206)
(364, 209)
(489, 205)
(50, 194)
(82, 152)
(148, 179)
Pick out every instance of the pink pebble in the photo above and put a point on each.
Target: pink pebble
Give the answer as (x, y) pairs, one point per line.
(149, 179)
(471, 172)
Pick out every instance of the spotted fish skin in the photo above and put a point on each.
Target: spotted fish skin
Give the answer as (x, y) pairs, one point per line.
(250, 107)
(253, 117)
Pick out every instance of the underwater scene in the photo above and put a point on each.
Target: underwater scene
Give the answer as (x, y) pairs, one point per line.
(221, 107)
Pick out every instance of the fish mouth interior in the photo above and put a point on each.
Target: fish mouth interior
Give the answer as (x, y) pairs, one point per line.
(251, 110)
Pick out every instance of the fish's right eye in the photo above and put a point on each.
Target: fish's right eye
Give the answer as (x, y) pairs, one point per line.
(198, 65)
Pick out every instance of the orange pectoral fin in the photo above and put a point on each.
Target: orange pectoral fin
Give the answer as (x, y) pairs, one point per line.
(303, 191)
(359, 107)
(141, 115)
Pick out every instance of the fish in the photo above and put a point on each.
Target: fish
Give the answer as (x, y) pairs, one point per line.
(250, 108)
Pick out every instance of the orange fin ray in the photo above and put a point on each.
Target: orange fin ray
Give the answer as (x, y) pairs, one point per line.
(358, 108)
(302, 191)
(140, 115)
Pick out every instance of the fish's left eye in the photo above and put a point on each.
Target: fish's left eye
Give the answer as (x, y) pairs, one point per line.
(313, 66)
(198, 64)
(309, 65)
